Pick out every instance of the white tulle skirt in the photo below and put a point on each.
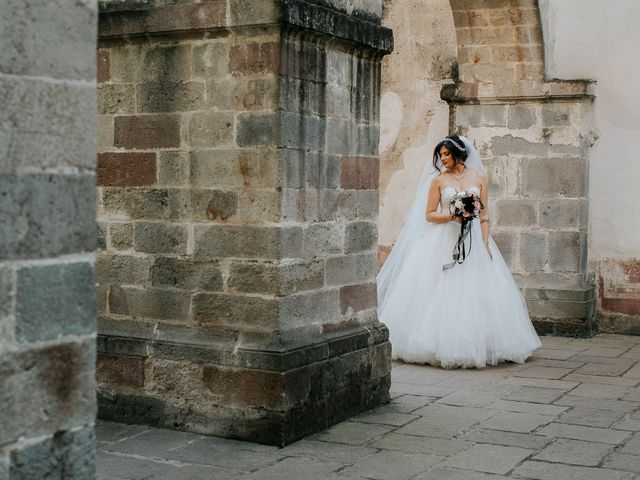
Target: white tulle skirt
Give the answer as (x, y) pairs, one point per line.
(469, 316)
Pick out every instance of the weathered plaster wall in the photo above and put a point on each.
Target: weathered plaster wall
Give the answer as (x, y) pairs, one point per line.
(597, 40)
(412, 115)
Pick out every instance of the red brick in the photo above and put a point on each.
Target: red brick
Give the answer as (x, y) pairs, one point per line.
(132, 169)
(627, 306)
(120, 370)
(360, 172)
(254, 58)
(358, 297)
(147, 131)
(104, 65)
(251, 388)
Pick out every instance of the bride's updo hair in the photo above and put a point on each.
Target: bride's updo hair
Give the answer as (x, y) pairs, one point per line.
(455, 145)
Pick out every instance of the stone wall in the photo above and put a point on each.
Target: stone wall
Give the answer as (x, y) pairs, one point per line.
(47, 239)
(237, 206)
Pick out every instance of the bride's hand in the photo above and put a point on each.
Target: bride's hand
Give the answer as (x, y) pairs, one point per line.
(486, 246)
(456, 219)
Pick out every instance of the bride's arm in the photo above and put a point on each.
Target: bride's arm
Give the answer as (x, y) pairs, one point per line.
(484, 213)
(433, 200)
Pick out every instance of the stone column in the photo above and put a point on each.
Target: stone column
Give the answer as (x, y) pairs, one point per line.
(534, 138)
(47, 239)
(238, 177)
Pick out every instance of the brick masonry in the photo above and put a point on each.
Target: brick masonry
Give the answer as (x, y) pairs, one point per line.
(47, 240)
(238, 205)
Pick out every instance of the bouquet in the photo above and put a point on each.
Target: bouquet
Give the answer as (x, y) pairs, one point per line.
(466, 206)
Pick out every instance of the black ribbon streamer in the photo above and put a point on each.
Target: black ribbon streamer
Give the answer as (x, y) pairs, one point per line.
(459, 250)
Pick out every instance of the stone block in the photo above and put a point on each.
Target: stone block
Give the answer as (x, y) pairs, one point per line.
(6, 291)
(166, 96)
(173, 168)
(489, 458)
(481, 115)
(120, 370)
(556, 115)
(248, 12)
(341, 136)
(101, 236)
(507, 243)
(254, 58)
(161, 304)
(224, 241)
(517, 54)
(360, 236)
(114, 98)
(358, 297)
(186, 273)
(302, 168)
(67, 454)
(302, 131)
(359, 172)
(351, 204)
(159, 238)
(259, 206)
(103, 65)
(510, 146)
(102, 298)
(368, 139)
(148, 204)
(516, 213)
(244, 388)
(37, 134)
(321, 239)
(214, 204)
(131, 169)
(533, 251)
(147, 131)
(351, 269)
(47, 389)
(309, 308)
(210, 129)
(47, 41)
(543, 177)
(258, 130)
(134, 63)
(105, 132)
(566, 250)
(276, 279)
(551, 471)
(121, 236)
(241, 312)
(561, 213)
(122, 269)
(54, 300)
(232, 170)
(210, 60)
(521, 117)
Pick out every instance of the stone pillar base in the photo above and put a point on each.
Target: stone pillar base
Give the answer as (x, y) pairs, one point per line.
(269, 396)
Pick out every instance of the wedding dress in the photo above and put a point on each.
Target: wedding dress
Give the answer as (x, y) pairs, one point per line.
(468, 316)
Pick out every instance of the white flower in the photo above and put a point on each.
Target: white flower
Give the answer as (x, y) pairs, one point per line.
(458, 204)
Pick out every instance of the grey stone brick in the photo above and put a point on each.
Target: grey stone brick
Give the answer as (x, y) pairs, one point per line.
(368, 140)
(533, 251)
(68, 225)
(232, 170)
(360, 236)
(351, 269)
(489, 458)
(390, 464)
(166, 96)
(558, 115)
(482, 115)
(6, 291)
(160, 62)
(516, 213)
(276, 278)
(342, 136)
(213, 204)
(323, 238)
(302, 131)
(509, 145)
(350, 204)
(565, 251)
(260, 206)
(520, 117)
(578, 432)
(106, 131)
(173, 168)
(101, 236)
(211, 129)
(148, 204)
(303, 168)
(186, 273)
(149, 303)
(223, 241)
(236, 311)
(543, 177)
(54, 300)
(122, 269)
(258, 130)
(507, 243)
(210, 60)
(121, 236)
(116, 98)
(49, 41)
(102, 294)
(561, 213)
(159, 238)
(36, 132)
(575, 452)
(69, 454)
(306, 309)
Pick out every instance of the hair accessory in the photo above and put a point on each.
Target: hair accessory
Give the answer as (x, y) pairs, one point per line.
(460, 147)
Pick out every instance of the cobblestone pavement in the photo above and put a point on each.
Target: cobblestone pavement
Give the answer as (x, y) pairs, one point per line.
(572, 412)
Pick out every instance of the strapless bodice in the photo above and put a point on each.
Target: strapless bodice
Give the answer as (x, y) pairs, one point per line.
(448, 193)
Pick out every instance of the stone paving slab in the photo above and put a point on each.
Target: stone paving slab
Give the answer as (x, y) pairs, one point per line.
(571, 412)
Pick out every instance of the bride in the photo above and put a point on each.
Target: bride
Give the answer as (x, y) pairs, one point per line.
(452, 311)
